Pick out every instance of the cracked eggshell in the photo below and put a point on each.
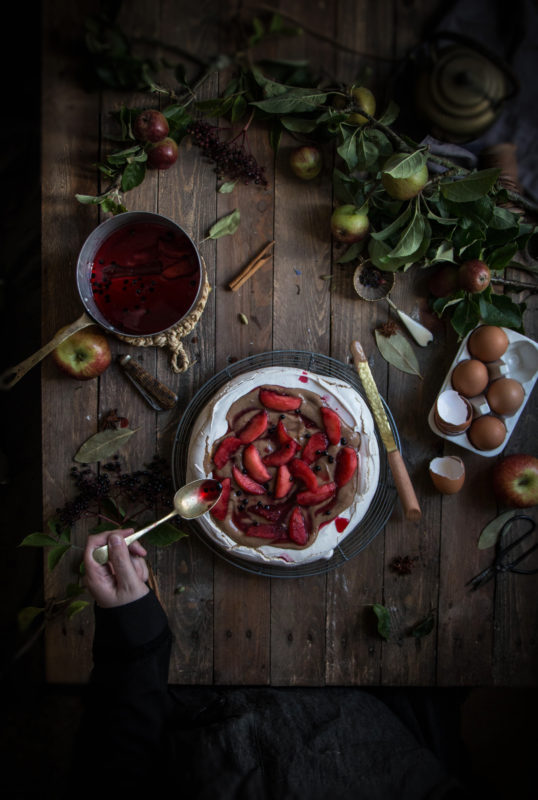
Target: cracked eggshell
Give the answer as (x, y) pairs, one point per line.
(447, 474)
(453, 413)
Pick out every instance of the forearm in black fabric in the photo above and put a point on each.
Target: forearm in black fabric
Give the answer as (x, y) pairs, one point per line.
(127, 700)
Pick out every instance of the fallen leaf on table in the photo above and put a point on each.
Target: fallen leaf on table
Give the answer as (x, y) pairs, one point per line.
(397, 351)
(103, 445)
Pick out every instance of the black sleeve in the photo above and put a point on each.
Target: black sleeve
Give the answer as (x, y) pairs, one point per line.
(127, 699)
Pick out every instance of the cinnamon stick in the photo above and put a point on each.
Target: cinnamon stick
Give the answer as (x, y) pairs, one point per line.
(252, 267)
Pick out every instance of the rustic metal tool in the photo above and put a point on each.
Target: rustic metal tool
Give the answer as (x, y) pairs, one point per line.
(401, 477)
(156, 394)
(192, 500)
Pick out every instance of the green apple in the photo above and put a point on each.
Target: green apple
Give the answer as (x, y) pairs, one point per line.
(403, 188)
(365, 100)
(349, 224)
(306, 162)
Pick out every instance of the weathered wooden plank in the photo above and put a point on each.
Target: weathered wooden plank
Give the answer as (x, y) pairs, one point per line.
(301, 321)
(187, 195)
(241, 599)
(70, 136)
(353, 646)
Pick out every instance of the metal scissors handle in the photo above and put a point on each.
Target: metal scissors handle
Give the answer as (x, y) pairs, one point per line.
(499, 563)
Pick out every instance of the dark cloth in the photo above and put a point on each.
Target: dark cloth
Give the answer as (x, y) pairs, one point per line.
(254, 743)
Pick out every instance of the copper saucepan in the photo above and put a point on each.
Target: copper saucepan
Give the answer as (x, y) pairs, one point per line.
(92, 314)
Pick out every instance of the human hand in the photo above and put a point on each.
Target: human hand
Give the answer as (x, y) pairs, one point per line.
(123, 578)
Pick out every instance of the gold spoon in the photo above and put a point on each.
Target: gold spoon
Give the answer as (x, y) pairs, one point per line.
(191, 501)
(372, 294)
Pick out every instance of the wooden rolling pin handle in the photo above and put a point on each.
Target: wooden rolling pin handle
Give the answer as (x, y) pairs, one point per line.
(404, 486)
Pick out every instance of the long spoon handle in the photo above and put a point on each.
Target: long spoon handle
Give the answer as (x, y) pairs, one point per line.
(100, 554)
(11, 376)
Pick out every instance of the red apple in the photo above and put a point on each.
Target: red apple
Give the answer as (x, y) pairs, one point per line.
(83, 355)
(444, 281)
(306, 162)
(163, 154)
(515, 481)
(150, 126)
(349, 224)
(474, 276)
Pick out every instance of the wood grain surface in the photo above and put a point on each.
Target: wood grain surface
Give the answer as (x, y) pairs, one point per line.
(230, 626)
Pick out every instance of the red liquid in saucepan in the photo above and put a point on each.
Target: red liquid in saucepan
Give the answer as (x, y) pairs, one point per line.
(145, 278)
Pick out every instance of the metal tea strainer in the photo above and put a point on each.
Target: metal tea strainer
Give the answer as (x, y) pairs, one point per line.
(372, 284)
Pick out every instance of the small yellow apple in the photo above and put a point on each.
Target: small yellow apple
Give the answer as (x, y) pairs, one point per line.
(365, 100)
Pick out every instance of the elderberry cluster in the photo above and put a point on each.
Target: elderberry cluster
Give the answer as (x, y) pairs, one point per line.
(147, 488)
(230, 159)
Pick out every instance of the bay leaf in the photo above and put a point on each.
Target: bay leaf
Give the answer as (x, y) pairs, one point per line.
(397, 351)
(490, 534)
(383, 620)
(225, 226)
(103, 445)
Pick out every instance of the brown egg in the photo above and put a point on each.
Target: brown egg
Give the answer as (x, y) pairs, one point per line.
(470, 377)
(447, 474)
(488, 342)
(505, 396)
(487, 432)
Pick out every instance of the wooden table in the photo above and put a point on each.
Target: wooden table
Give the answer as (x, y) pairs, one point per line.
(232, 627)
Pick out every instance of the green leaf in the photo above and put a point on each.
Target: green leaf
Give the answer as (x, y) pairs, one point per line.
(226, 226)
(440, 304)
(501, 258)
(352, 252)
(89, 199)
(466, 316)
(38, 540)
(500, 311)
(292, 101)
(299, 124)
(103, 445)
(406, 164)
(56, 554)
(411, 238)
(445, 252)
(239, 108)
(76, 607)
(345, 187)
(133, 175)
(367, 153)
(424, 627)
(217, 107)
(398, 223)
(383, 620)
(164, 535)
(390, 114)
(26, 616)
(491, 532)
(227, 187)
(471, 187)
(348, 151)
(397, 351)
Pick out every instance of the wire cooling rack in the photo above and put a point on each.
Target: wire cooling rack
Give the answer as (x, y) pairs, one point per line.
(383, 500)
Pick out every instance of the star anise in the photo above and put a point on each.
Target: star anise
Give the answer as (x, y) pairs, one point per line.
(388, 329)
(403, 565)
(111, 421)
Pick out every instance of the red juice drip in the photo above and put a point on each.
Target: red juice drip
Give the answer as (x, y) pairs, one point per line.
(145, 278)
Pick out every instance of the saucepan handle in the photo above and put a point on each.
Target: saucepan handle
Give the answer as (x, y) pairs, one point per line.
(11, 376)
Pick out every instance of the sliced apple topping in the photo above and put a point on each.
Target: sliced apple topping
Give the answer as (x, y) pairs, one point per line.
(277, 401)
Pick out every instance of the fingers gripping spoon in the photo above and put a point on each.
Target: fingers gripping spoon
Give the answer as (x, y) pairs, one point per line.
(191, 501)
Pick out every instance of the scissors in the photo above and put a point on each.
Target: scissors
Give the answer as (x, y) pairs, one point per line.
(500, 563)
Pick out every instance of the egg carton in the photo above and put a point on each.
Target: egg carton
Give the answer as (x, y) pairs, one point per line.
(521, 360)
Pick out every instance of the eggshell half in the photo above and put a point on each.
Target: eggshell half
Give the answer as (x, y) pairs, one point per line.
(447, 474)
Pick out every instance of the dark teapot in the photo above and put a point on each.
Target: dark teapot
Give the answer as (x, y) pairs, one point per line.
(459, 87)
